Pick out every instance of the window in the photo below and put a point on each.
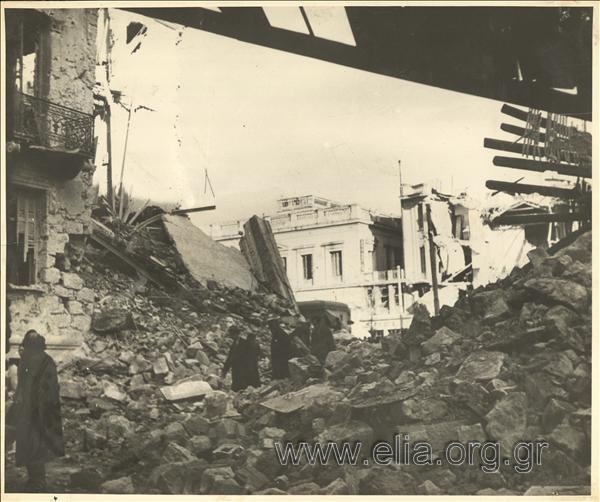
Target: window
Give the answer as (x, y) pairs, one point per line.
(396, 295)
(370, 298)
(26, 212)
(461, 227)
(307, 267)
(394, 332)
(284, 260)
(393, 256)
(385, 297)
(423, 260)
(27, 56)
(336, 263)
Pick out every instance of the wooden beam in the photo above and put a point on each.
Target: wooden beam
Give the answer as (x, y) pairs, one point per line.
(193, 210)
(505, 186)
(520, 131)
(531, 219)
(96, 237)
(541, 166)
(514, 147)
(433, 262)
(517, 113)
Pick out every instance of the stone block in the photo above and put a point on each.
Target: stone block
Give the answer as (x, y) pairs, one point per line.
(86, 295)
(81, 322)
(63, 292)
(482, 365)
(56, 242)
(71, 281)
(73, 227)
(50, 275)
(74, 307)
(122, 485)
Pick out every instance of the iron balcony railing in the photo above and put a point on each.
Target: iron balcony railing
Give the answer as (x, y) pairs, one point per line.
(42, 123)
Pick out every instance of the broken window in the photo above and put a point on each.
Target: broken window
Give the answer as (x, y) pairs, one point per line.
(26, 214)
(370, 298)
(461, 226)
(27, 66)
(307, 266)
(385, 297)
(423, 260)
(26, 54)
(336, 264)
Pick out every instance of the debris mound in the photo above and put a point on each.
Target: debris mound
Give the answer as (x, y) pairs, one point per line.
(146, 412)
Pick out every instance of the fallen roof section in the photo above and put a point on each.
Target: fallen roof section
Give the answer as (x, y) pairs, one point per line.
(206, 259)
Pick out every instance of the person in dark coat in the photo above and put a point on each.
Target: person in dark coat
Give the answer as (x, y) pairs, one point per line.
(252, 354)
(281, 349)
(235, 359)
(242, 360)
(36, 411)
(302, 332)
(322, 342)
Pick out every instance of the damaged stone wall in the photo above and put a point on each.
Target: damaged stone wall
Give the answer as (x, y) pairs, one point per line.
(57, 304)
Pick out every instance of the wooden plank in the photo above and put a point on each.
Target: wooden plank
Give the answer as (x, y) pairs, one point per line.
(433, 262)
(513, 147)
(541, 166)
(520, 131)
(530, 219)
(193, 210)
(505, 186)
(107, 245)
(519, 114)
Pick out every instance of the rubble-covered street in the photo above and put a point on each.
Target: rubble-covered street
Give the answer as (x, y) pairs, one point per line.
(509, 362)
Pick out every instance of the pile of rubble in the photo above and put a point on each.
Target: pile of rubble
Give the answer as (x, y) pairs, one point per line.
(146, 412)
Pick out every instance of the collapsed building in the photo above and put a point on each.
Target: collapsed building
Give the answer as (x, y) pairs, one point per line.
(50, 63)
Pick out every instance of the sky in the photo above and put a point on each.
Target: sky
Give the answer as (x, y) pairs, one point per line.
(266, 124)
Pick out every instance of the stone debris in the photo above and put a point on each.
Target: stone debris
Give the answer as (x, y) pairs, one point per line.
(146, 412)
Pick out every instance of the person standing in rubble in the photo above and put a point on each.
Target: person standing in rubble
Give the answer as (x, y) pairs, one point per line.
(281, 348)
(252, 354)
(36, 414)
(322, 342)
(242, 360)
(302, 332)
(235, 359)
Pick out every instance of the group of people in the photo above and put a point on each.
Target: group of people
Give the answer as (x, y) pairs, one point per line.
(306, 338)
(34, 419)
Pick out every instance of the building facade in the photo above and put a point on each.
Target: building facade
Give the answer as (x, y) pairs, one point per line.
(50, 67)
(339, 252)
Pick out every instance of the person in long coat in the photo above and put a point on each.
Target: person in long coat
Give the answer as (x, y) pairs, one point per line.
(36, 411)
(322, 341)
(252, 354)
(235, 360)
(281, 349)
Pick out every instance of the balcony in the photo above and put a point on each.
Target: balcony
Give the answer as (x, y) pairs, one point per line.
(43, 125)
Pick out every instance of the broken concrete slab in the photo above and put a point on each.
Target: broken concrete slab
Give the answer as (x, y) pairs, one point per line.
(206, 259)
(507, 420)
(559, 291)
(303, 398)
(186, 390)
(260, 249)
(482, 365)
